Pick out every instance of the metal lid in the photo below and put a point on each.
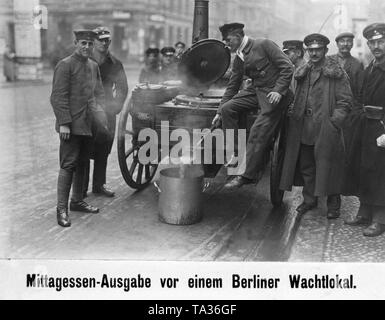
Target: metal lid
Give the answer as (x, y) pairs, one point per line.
(149, 86)
(204, 63)
(198, 102)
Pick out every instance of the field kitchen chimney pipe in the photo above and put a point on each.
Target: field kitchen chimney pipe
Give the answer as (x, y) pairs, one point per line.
(201, 20)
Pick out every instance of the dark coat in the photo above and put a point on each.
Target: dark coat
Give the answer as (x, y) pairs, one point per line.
(115, 86)
(335, 99)
(265, 63)
(355, 72)
(366, 175)
(76, 91)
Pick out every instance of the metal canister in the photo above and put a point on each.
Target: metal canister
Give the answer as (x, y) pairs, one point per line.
(181, 194)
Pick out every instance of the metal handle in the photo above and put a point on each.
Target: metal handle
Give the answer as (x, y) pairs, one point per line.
(157, 187)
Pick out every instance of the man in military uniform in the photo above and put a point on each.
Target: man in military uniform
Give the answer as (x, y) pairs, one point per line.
(351, 65)
(169, 70)
(271, 73)
(352, 128)
(294, 50)
(76, 93)
(315, 154)
(179, 49)
(371, 151)
(151, 71)
(114, 82)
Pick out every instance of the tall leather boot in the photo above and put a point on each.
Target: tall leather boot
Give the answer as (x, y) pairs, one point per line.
(63, 191)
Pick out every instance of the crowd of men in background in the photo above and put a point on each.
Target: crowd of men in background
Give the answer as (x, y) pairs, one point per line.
(162, 65)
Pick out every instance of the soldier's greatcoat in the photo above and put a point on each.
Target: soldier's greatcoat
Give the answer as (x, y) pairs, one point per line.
(366, 177)
(333, 94)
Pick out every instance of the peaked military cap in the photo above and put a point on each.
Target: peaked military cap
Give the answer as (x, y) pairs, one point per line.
(292, 44)
(152, 51)
(229, 27)
(374, 31)
(84, 35)
(102, 33)
(167, 51)
(344, 35)
(316, 40)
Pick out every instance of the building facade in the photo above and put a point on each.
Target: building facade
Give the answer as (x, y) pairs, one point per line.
(135, 24)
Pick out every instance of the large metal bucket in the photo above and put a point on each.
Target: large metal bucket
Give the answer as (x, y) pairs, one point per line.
(180, 194)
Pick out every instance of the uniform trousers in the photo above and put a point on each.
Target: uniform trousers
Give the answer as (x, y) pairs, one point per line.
(374, 213)
(73, 156)
(100, 155)
(307, 169)
(262, 130)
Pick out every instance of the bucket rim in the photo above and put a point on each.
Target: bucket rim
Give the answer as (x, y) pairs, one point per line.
(170, 173)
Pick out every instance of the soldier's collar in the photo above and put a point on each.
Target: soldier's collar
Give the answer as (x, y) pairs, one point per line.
(343, 57)
(248, 46)
(378, 65)
(79, 57)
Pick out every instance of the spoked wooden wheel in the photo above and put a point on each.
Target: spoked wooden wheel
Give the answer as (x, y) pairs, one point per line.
(136, 174)
(276, 165)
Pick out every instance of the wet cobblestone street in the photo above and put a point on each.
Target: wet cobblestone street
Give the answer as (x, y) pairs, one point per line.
(239, 226)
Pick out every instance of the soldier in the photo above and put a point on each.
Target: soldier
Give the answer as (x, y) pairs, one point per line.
(114, 82)
(271, 72)
(351, 65)
(315, 154)
(371, 150)
(168, 69)
(352, 128)
(294, 50)
(76, 91)
(179, 49)
(151, 71)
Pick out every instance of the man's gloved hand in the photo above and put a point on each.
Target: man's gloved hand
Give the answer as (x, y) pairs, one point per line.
(216, 123)
(64, 132)
(274, 97)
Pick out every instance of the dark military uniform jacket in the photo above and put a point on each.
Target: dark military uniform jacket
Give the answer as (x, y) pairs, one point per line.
(371, 184)
(115, 86)
(114, 82)
(355, 71)
(76, 92)
(265, 63)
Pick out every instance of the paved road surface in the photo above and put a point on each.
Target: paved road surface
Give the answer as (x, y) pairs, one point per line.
(238, 226)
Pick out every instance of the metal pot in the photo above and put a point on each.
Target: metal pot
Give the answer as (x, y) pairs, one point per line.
(180, 194)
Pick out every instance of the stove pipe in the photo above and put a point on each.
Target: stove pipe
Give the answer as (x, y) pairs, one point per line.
(201, 20)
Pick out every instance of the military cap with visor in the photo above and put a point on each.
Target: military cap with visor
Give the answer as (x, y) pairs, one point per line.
(230, 27)
(85, 35)
(102, 33)
(374, 31)
(152, 51)
(167, 51)
(315, 41)
(292, 45)
(344, 35)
